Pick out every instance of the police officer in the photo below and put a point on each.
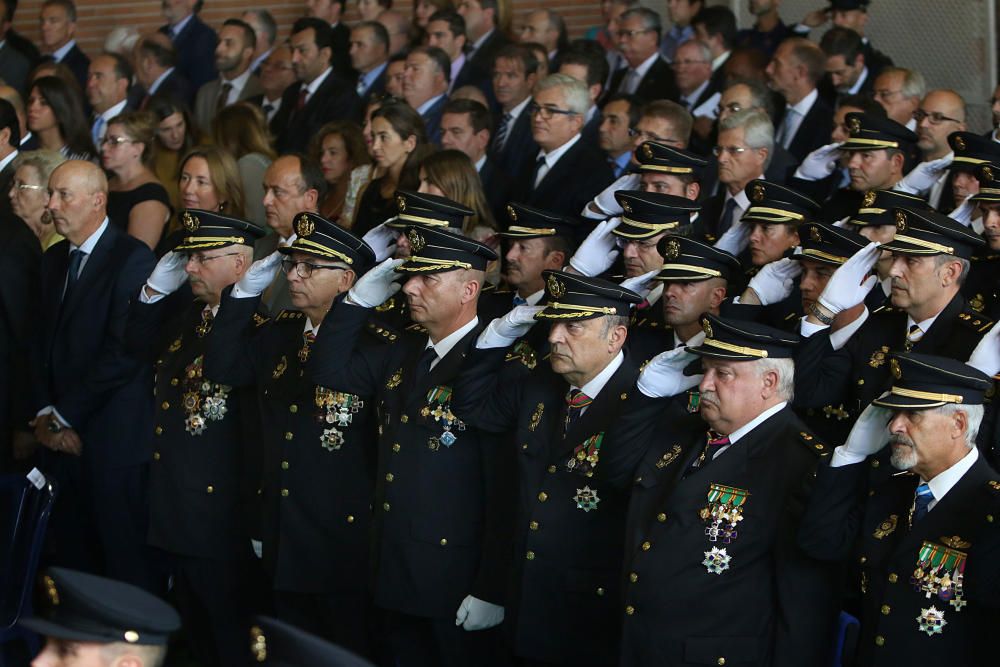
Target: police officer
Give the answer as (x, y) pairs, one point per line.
(982, 289)
(198, 475)
(570, 520)
(926, 537)
(317, 483)
(713, 516)
(90, 621)
(439, 519)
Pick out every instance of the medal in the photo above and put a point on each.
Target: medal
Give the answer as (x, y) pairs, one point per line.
(716, 560)
(723, 512)
(585, 456)
(940, 573)
(586, 499)
(931, 621)
(203, 401)
(336, 411)
(448, 438)
(439, 408)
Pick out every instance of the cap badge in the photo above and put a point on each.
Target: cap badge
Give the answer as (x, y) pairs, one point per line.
(190, 222)
(258, 644)
(757, 194)
(960, 143)
(900, 221)
(50, 590)
(417, 242)
(707, 328)
(647, 151)
(511, 213)
(401, 203)
(626, 207)
(894, 368)
(305, 226)
(869, 198)
(815, 235)
(555, 286)
(987, 173)
(854, 124)
(131, 636)
(672, 249)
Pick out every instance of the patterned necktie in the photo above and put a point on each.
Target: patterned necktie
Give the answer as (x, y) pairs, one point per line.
(713, 443)
(501, 137)
(726, 221)
(576, 401)
(921, 502)
(913, 336)
(223, 99)
(539, 174)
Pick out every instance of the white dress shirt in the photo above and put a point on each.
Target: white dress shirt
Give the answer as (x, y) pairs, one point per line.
(596, 384)
(794, 115)
(445, 345)
(744, 430)
(552, 157)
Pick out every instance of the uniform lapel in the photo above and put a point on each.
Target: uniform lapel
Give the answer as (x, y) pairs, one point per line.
(599, 413)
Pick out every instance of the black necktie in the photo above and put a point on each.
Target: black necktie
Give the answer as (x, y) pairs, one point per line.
(73, 273)
(427, 358)
(534, 173)
(726, 221)
(223, 98)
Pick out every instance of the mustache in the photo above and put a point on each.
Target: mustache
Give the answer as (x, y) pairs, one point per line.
(710, 397)
(899, 439)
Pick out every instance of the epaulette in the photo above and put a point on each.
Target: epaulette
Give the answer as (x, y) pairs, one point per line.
(490, 288)
(386, 305)
(524, 353)
(975, 321)
(382, 332)
(416, 328)
(994, 486)
(260, 320)
(289, 315)
(885, 310)
(814, 445)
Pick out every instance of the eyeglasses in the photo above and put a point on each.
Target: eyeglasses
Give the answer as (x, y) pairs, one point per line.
(884, 94)
(686, 63)
(935, 117)
(632, 34)
(116, 141)
(200, 259)
(305, 269)
(18, 185)
(732, 107)
(636, 243)
(649, 136)
(546, 113)
(717, 151)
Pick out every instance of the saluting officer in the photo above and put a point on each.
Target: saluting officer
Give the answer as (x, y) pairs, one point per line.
(318, 470)
(930, 259)
(926, 539)
(982, 289)
(713, 516)
(197, 478)
(570, 523)
(440, 506)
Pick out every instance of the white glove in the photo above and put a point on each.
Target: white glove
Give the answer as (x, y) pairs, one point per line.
(258, 548)
(641, 285)
(775, 280)
(735, 239)
(868, 436)
(964, 213)
(377, 285)
(257, 278)
(168, 274)
(986, 356)
(503, 331)
(848, 285)
(605, 202)
(598, 251)
(820, 163)
(382, 240)
(475, 614)
(664, 374)
(922, 177)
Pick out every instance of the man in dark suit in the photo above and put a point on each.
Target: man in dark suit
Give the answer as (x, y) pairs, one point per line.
(438, 576)
(515, 72)
(912, 500)
(236, 82)
(847, 73)
(485, 38)
(567, 172)
(107, 91)
(84, 382)
(14, 64)
(58, 21)
(425, 86)
(194, 42)
(276, 75)
(647, 76)
(466, 126)
(156, 72)
(795, 71)
(369, 58)
(321, 93)
(446, 30)
(331, 12)
(714, 515)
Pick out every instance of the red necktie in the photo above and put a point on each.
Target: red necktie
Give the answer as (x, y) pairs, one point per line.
(302, 99)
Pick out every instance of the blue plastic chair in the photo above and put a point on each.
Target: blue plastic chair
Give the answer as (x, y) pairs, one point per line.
(24, 515)
(846, 641)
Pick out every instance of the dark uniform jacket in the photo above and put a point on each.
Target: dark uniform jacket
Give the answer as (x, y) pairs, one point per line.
(858, 373)
(317, 482)
(763, 601)
(861, 512)
(439, 508)
(570, 523)
(982, 287)
(198, 479)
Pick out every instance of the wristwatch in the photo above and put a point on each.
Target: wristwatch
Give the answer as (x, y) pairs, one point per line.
(815, 311)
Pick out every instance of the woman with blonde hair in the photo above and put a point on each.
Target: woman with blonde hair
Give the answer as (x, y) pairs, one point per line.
(209, 179)
(29, 192)
(241, 129)
(339, 148)
(137, 201)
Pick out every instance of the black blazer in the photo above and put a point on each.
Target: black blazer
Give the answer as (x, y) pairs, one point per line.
(520, 148)
(335, 99)
(813, 132)
(341, 58)
(658, 84)
(78, 62)
(579, 175)
(432, 120)
(195, 47)
(79, 360)
(377, 87)
(496, 184)
(174, 86)
(482, 59)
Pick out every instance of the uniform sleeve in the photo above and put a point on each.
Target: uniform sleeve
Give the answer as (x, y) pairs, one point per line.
(229, 358)
(832, 518)
(631, 435)
(337, 361)
(822, 374)
(480, 398)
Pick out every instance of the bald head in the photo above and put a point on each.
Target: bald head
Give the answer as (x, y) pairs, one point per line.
(941, 112)
(78, 197)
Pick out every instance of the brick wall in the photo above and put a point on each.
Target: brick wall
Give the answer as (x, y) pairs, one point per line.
(96, 18)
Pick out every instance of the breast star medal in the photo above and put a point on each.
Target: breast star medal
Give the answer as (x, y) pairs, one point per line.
(940, 573)
(931, 621)
(586, 499)
(716, 560)
(721, 515)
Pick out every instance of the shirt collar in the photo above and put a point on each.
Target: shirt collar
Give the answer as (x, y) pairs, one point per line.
(259, 60)
(856, 88)
(25, 138)
(159, 80)
(456, 67)
(516, 111)
(88, 246)
(742, 201)
(310, 327)
(646, 64)
(925, 326)
(426, 106)
(479, 42)
(755, 422)
(240, 82)
(115, 110)
(374, 73)
(445, 345)
(314, 85)
(944, 481)
(911, 125)
(594, 387)
(533, 299)
(720, 60)
(180, 25)
(803, 106)
(553, 156)
(696, 93)
(7, 160)
(622, 160)
(61, 52)
(480, 163)
(681, 34)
